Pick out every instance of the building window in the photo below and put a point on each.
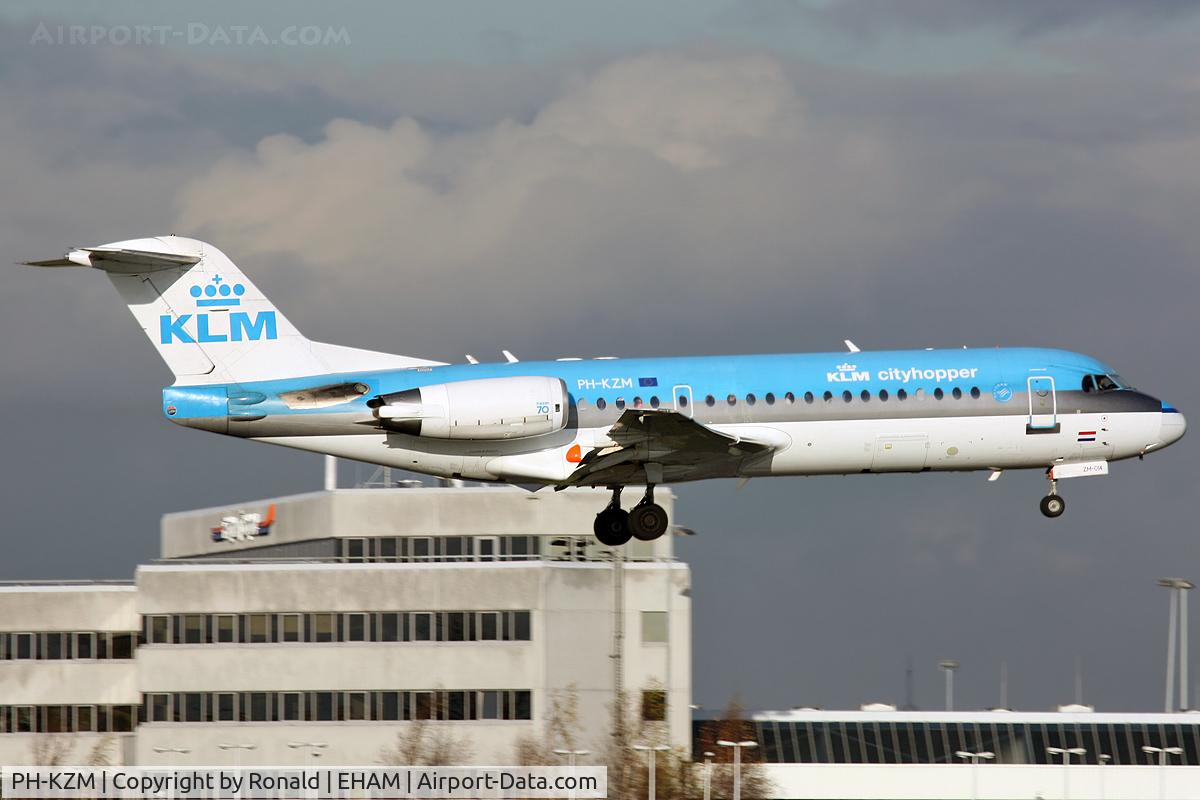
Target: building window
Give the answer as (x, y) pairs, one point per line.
(158, 707)
(53, 646)
(260, 706)
(456, 626)
(490, 705)
(322, 705)
(85, 645)
(388, 549)
(322, 628)
(654, 705)
(226, 707)
(389, 627)
(291, 707)
(423, 706)
(522, 705)
(421, 548)
(226, 628)
(521, 626)
(159, 629)
(489, 626)
(356, 705)
(291, 628)
(258, 628)
(85, 719)
(390, 706)
(193, 628)
(654, 627)
(422, 626)
(123, 645)
(356, 627)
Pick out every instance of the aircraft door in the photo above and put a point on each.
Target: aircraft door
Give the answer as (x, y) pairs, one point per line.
(1043, 405)
(683, 400)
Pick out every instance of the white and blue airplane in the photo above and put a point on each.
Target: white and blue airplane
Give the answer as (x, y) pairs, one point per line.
(242, 369)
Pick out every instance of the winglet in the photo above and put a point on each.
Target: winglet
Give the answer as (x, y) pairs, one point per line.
(851, 346)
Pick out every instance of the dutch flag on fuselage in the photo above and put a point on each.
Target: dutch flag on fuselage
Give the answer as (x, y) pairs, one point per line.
(1087, 436)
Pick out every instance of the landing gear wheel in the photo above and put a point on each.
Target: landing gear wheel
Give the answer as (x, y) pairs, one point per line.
(612, 527)
(1053, 506)
(648, 521)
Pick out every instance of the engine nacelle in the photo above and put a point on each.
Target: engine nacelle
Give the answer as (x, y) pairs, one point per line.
(489, 408)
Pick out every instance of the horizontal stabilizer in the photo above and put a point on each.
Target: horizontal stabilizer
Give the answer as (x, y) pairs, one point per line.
(123, 260)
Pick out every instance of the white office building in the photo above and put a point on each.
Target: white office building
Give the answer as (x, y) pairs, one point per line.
(335, 625)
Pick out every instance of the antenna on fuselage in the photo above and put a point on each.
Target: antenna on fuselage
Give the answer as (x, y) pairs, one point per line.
(851, 346)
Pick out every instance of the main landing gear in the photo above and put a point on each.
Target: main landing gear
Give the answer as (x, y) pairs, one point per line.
(1052, 505)
(615, 526)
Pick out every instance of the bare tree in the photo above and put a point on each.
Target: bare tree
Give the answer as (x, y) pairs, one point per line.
(561, 731)
(426, 742)
(51, 751)
(734, 727)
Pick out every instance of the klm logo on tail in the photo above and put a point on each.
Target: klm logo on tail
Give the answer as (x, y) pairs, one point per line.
(236, 326)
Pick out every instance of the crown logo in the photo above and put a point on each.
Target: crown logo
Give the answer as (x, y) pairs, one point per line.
(218, 293)
(846, 367)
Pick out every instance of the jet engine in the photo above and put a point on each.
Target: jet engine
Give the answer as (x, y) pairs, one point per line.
(489, 408)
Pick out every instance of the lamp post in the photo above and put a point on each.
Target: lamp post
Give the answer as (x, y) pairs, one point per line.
(652, 750)
(708, 757)
(1066, 753)
(975, 758)
(1179, 588)
(571, 755)
(179, 750)
(1162, 752)
(237, 760)
(949, 666)
(737, 763)
(312, 749)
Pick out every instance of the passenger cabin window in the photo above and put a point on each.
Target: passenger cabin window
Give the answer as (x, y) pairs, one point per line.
(846, 396)
(654, 401)
(865, 395)
(732, 399)
(883, 395)
(957, 393)
(938, 393)
(621, 403)
(751, 399)
(828, 396)
(770, 398)
(710, 401)
(974, 392)
(901, 394)
(808, 397)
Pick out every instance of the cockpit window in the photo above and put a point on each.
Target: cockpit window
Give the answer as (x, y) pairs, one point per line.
(1103, 383)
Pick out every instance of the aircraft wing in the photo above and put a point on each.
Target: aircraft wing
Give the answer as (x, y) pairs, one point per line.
(682, 447)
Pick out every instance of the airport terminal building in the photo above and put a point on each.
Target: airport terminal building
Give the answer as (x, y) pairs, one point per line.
(315, 626)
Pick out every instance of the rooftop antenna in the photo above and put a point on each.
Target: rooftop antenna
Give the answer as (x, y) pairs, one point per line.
(1004, 684)
(1078, 680)
(909, 702)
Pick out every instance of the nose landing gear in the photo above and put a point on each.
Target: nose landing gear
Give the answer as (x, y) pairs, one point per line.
(614, 526)
(1052, 505)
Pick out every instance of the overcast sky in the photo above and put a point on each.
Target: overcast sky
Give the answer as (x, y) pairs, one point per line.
(645, 179)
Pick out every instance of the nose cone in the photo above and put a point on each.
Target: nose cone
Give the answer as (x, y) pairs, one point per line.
(1172, 427)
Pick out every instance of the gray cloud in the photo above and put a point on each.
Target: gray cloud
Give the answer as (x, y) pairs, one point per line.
(664, 202)
(1023, 18)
